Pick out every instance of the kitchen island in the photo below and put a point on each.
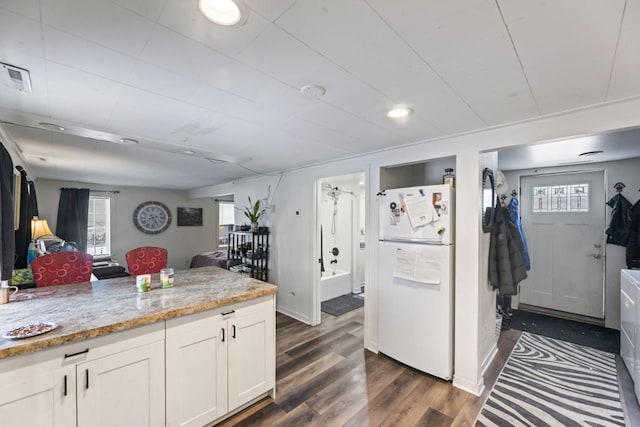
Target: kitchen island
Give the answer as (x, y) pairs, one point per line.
(186, 355)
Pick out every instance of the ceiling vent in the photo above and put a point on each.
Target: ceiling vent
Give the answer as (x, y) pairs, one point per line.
(15, 77)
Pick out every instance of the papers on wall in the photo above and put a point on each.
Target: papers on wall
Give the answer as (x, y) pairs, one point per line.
(419, 210)
(413, 264)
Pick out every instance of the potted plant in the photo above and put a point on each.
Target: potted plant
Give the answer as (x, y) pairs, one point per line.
(254, 212)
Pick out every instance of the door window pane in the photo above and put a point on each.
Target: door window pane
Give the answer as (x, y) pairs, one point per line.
(561, 198)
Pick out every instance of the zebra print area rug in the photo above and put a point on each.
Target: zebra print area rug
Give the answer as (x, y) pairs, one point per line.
(547, 382)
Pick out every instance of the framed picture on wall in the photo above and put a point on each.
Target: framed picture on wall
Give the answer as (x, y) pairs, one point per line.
(189, 217)
(17, 180)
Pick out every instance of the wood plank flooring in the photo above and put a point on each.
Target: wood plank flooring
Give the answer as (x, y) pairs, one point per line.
(324, 377)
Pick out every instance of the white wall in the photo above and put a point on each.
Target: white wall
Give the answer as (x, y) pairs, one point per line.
(626, 171)
(181, 242)
(488, 339)
(294, 239)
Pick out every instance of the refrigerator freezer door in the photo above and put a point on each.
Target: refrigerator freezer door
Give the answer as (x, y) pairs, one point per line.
(418, 213)
(415, 321)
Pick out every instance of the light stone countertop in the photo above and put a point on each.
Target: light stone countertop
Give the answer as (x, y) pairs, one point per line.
(88, 310)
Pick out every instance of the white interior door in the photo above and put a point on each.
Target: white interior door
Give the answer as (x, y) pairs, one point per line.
(563, 216)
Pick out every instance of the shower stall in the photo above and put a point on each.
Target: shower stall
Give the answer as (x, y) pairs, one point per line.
(341, 215)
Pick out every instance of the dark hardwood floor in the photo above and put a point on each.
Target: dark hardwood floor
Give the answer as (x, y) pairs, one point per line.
(324, 377)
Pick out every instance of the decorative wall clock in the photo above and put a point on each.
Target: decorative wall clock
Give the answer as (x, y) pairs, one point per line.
(152, 217)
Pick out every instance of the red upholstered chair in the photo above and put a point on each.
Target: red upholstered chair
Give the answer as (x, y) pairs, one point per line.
(146, 260)
(61, 268)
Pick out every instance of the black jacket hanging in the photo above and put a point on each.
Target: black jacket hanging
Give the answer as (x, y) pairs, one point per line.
(620, 224)
(506, 254)
(633, 244)
(23, 234)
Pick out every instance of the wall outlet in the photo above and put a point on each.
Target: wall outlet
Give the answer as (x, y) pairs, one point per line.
(298, 212)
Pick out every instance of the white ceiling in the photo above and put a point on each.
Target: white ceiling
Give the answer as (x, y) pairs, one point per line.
(159, 72)
(624, 144)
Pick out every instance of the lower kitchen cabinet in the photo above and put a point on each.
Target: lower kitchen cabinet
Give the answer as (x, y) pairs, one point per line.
(124, 389)
(219, 360)
(113, 380)
(38, 399)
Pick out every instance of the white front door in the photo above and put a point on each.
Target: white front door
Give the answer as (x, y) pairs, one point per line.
(563, 216)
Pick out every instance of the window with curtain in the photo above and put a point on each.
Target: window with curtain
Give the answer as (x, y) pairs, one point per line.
(99, 226)
(225, 223)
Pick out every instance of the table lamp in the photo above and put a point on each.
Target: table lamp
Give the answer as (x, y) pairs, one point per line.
(40, 228)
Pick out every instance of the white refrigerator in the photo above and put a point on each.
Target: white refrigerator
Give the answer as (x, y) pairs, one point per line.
(415, 322)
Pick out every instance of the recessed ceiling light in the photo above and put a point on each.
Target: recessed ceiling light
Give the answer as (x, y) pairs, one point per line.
(590, 153)
(399, 112)
(225, 12)
(51, 126)
(129, 141)
(312, 91)
(188, 152)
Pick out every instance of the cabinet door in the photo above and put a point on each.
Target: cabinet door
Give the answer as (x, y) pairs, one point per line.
(196, 351)
(44, 399)
(251, 353)
(124, 389)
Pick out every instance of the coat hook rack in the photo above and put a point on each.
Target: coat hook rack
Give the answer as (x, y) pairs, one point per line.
(619, 186)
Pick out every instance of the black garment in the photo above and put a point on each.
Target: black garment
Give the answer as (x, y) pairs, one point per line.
(23, 234)
(506, 254)
(33, 199)
(73, 216)
(633, 244)
(620, 224)
(7, 236)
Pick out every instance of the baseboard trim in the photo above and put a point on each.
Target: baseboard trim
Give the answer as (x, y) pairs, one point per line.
(475, 388)
(295, 315)
(489, 359)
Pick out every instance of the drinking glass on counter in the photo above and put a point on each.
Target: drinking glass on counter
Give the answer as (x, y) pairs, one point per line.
(166, 277)
(143, 282)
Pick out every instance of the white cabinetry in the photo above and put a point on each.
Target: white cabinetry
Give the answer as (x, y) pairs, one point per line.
(126, 388)
(630, 324)
(219, 360)
(37, 399)
(113, 380)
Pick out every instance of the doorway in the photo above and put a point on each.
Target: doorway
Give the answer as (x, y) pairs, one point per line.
(563, 216)
(340, 228)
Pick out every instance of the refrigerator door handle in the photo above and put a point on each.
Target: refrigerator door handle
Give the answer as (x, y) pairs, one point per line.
(416, 241)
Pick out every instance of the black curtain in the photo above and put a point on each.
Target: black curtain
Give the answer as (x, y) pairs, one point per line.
(23, 234)
(33, 200)
(7, 237)
(73, 216)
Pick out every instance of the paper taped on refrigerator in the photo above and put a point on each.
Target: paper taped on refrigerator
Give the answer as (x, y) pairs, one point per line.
(419, 211)
(411, 264)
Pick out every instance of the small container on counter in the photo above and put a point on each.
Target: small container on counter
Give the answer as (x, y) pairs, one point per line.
(143, 282)
(166, 277)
